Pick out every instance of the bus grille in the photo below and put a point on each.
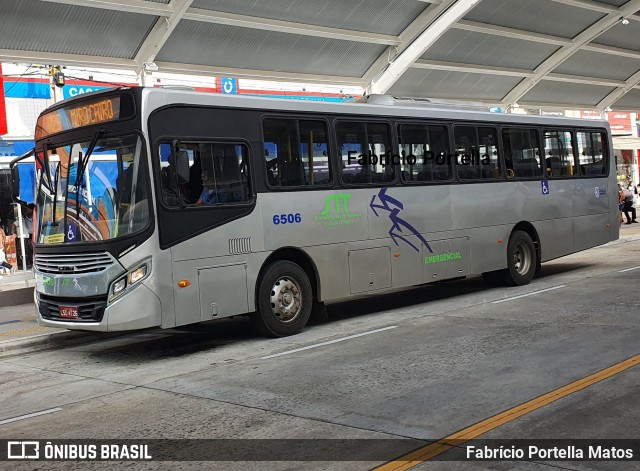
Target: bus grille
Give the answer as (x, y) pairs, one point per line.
(90, 310)
(73, 264)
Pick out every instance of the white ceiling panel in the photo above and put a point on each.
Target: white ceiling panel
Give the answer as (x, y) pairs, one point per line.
(484, 49)
(453, 85)
(375, 16)
(546, 52)
(230, 46)
(565, 93)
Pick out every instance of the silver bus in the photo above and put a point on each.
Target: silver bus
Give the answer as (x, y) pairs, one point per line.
(164, 207)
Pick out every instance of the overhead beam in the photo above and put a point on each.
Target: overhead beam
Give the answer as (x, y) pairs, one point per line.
(244, 21)
(417, 26)
(453, 11)
(160, 32)
(470, 68)
(595, 6)
(495, 30)
(510, 72)
(129, 6)
(618, 93)
(39, 57)
(565, 52)
(588, 5)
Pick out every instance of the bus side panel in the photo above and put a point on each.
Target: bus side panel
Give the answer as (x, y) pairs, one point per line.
(556, 238)
(488, 253)
(221, 267)
(592, 213)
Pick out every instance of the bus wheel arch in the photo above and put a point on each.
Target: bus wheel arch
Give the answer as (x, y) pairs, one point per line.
(286, 292)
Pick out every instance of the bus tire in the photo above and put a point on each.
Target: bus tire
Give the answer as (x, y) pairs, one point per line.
(284, 300)
(522, 259)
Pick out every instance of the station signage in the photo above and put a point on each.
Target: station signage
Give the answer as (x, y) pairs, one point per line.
(70, 91)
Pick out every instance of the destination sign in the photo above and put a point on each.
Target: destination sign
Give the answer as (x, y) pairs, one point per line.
(72, 117)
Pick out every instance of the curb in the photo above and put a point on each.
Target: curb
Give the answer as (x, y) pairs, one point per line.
(15, 297)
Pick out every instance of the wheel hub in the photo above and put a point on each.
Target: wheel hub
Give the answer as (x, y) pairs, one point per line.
(286, 299)
(522, 258)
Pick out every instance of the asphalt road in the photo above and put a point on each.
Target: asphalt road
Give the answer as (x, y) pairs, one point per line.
(420, 364)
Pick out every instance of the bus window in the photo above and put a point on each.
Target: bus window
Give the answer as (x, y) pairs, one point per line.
(558, 148)
(218, 174)
(591, 146)
(477, 153)
(296, 152)
(521, 153)
(365, 152)
(424, 153)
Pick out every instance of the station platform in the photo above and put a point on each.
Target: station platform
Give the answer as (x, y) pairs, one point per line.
(20, 333)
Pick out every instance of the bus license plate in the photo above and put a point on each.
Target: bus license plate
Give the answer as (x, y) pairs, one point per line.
(69, 312)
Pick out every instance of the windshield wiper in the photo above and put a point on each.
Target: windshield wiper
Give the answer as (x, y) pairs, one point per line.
(82, 162)
(55, 195)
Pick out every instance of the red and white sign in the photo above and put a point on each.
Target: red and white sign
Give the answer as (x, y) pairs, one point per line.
(620, 122)
(3, 106)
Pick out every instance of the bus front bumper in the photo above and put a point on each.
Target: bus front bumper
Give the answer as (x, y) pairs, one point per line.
(138, 309)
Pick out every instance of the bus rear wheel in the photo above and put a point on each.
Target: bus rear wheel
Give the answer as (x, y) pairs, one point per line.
(522, 260)
(284, 300)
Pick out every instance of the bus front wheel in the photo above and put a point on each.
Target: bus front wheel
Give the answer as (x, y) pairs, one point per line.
(521, 259)
(284, 300)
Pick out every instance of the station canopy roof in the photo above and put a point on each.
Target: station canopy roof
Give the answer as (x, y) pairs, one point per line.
(534, 53)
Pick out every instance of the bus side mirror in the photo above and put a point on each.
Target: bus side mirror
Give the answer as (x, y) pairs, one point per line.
(180, 163)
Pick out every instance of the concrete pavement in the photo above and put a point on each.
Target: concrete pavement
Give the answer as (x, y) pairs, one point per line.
(20, 333)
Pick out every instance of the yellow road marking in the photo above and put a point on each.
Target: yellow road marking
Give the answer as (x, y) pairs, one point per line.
(28, 330)
(430, 451)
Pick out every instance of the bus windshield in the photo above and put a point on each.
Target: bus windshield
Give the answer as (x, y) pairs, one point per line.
(91, 190)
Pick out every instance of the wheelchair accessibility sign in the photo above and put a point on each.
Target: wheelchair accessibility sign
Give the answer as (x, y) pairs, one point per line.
(71, 234)
(545, 187)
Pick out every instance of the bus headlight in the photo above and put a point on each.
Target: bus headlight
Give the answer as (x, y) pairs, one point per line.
(137, 274)
(120, 286)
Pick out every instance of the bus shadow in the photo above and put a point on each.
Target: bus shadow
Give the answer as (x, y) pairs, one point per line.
(431, 292)
(179, 342)
(561, 268)
(405, 298)
(183, 341)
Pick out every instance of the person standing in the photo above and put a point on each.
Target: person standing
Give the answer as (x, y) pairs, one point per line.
(620, 203)
(3, 259)
(628, 205)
